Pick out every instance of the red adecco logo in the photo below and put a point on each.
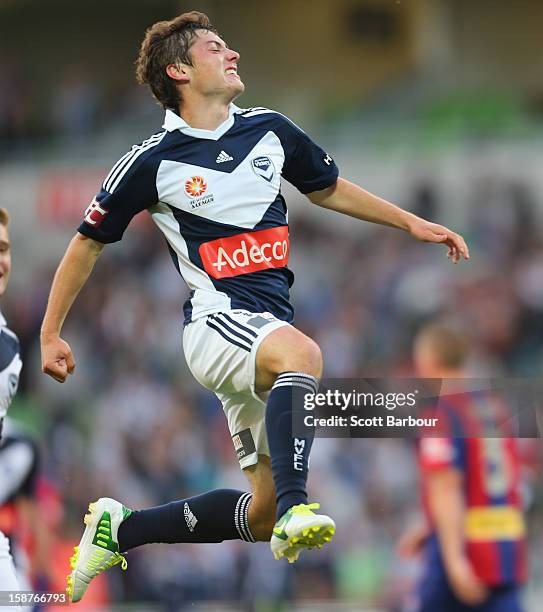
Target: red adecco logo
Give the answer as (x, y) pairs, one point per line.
(245, 253)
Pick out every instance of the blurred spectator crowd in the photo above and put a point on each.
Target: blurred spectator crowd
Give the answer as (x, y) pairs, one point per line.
(74, 110)
(132, 423)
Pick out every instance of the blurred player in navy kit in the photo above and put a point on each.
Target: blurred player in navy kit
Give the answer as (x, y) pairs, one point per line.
(211, 181)
(20, 510)
(10, 368)
(474, 535)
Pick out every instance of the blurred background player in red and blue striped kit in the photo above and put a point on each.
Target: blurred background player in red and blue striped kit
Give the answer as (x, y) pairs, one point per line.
(474, 537)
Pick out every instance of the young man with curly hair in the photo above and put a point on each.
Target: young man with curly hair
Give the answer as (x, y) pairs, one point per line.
(211, 182)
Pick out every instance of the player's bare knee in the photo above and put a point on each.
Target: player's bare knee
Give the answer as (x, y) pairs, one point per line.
(313, 358)
(305, 356)
(286, 350)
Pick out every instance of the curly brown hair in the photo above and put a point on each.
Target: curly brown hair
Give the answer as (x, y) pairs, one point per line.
(168, 42)
(4, 217)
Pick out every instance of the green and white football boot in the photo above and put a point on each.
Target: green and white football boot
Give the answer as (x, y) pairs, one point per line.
(300, 528)
(98, 549)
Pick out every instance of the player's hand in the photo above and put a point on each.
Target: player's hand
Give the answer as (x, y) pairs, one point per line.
(466, 585)
(412, 541)
(57, 359)
(432, 232)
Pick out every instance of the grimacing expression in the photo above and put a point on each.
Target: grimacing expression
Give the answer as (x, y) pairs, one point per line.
(215, 67)
(5, 258)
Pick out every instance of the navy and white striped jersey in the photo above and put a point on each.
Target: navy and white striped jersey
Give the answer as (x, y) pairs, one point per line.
(216, 196)
(10, 366)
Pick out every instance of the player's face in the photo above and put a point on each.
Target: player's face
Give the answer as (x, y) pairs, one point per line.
(5, 258)
(215, 67)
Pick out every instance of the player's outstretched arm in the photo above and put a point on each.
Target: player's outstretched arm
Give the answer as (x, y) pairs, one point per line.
(74, 270)
(350, 199)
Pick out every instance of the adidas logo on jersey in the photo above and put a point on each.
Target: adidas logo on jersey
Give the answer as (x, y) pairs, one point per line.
(223, 157)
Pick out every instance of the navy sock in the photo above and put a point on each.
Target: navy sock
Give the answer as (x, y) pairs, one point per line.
(212, 517)
(289, 456)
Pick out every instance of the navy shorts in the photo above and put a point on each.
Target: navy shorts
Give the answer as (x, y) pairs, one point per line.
(434, 593)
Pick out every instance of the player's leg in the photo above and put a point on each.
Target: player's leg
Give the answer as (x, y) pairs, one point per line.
(262, 507)
(220, 351)
(211, 517)
(222, 514)
(112, 529)
(286, 361)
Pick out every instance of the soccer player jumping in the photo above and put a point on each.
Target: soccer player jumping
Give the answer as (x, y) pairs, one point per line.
(211, 182)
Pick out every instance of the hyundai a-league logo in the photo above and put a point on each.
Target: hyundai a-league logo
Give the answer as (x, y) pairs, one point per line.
(195, 186)
(263, 167)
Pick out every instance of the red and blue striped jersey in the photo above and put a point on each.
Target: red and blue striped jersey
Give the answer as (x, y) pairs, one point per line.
(494, 522)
